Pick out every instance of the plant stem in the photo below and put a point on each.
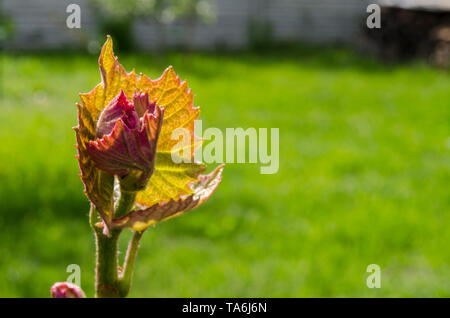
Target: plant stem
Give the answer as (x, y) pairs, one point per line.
(107, 283)
(127, 274)
(126, 202)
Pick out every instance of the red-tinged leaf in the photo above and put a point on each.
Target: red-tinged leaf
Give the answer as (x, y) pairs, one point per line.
(170, 181)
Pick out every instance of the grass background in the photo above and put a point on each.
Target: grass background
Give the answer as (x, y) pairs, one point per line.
(364, 178)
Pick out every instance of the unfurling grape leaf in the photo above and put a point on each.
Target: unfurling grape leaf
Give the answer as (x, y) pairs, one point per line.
(175, 187)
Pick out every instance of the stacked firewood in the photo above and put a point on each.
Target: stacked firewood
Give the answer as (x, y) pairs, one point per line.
(412, 33)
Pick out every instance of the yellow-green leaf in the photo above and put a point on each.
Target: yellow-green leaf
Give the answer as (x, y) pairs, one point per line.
(170, 181)
(141, 219)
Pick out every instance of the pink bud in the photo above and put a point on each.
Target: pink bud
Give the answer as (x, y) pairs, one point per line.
(127, 135)
(66, 290)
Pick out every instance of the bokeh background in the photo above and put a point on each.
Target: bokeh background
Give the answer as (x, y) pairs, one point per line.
(364, 145)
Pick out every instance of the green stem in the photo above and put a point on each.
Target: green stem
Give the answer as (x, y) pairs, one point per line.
(125, 278)
(107, 283)
(126, 202)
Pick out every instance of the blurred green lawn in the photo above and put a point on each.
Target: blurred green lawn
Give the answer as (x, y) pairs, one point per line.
(364, 178)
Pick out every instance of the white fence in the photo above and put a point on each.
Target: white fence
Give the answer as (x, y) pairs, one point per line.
(42, 23)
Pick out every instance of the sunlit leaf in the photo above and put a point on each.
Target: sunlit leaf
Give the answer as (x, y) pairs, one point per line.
(170, 182)
(202, 189)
